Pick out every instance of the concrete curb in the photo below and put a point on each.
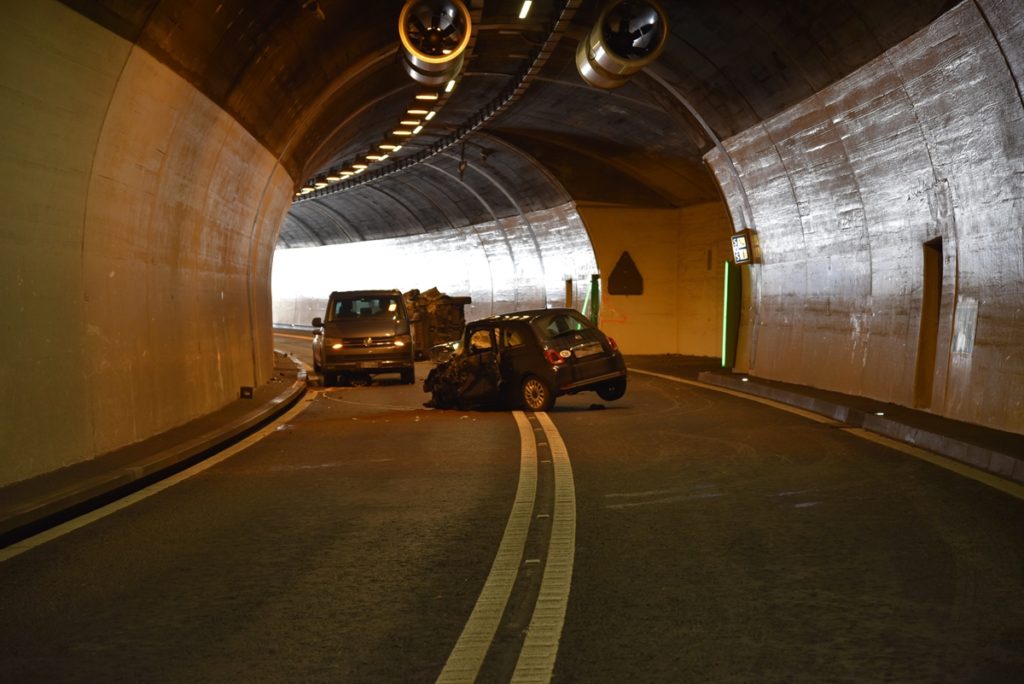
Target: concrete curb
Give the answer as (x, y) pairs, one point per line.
(29, 512)
(995, 462)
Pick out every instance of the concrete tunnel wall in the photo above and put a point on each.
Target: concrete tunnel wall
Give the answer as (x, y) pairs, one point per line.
(843, 190)
(139, 226)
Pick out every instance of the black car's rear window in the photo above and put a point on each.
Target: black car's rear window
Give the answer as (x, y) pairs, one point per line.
(559, 323)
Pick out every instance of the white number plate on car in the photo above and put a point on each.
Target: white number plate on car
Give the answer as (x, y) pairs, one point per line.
(587, 349)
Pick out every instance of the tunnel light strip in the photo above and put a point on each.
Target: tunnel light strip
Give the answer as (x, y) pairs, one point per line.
(494, 107)
(525, 9)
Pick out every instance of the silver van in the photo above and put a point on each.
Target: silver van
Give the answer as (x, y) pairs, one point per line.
(363, 333)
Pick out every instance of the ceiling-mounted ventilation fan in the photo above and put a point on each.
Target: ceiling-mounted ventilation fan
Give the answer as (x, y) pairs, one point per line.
(434, 36)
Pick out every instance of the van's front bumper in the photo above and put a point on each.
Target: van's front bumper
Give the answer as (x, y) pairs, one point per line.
(369, 360)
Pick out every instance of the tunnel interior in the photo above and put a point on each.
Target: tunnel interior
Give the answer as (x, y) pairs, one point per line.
(159, 153)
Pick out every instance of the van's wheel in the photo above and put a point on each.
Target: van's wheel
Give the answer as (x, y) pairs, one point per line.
(408, 377)
(613, 390)
(536, 395)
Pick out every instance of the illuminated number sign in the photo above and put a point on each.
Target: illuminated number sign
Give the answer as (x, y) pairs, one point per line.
(742, 250)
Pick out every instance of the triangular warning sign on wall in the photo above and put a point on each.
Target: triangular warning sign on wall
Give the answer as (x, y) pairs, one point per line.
(625, 278)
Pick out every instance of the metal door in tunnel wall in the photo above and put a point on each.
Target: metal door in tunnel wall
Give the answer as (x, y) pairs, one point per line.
(931, 309)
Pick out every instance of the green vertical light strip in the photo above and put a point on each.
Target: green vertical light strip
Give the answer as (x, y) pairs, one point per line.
(725, 317)
(731, 312)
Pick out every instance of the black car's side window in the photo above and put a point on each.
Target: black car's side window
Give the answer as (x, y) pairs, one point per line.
(512, 337)
(480, 341)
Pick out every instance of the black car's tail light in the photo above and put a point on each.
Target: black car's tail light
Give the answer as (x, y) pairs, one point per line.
(553, 357)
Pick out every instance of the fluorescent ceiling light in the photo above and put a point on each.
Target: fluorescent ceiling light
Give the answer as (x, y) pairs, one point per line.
(427, 96)
(525, 9)
(410, 122)
(401, 131)
(430, 116)
(450, 86)
(416, 112)
(416, 131)
(390, 147)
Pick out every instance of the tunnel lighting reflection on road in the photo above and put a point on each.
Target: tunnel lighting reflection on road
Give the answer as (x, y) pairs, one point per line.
(525, 9)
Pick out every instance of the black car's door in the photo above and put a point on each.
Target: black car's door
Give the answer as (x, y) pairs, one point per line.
(479, 367)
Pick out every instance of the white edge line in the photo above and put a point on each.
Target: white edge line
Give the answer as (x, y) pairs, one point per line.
(953, 465)
(468, 654)
(810, 415)
(35, 541)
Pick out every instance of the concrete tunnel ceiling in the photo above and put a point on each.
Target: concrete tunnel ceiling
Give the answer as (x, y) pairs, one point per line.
(320, 84)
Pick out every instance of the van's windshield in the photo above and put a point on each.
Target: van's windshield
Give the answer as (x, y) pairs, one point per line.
(376, 306)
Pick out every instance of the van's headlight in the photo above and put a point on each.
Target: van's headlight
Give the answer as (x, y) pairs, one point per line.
(336, 344)
(402, 340)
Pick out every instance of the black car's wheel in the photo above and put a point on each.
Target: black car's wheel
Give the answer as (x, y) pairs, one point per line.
(536, 395)
(612, 390)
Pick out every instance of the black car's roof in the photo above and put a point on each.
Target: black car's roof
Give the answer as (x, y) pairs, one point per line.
(529, 315)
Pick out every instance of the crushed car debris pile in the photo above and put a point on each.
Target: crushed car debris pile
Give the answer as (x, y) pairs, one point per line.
(437, 318)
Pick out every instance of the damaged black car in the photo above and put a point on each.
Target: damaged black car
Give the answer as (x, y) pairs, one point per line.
(527, 359)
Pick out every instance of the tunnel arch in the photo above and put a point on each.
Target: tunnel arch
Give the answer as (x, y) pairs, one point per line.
(166, 148)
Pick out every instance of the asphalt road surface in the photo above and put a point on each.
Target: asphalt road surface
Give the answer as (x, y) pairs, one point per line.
(676, 535)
